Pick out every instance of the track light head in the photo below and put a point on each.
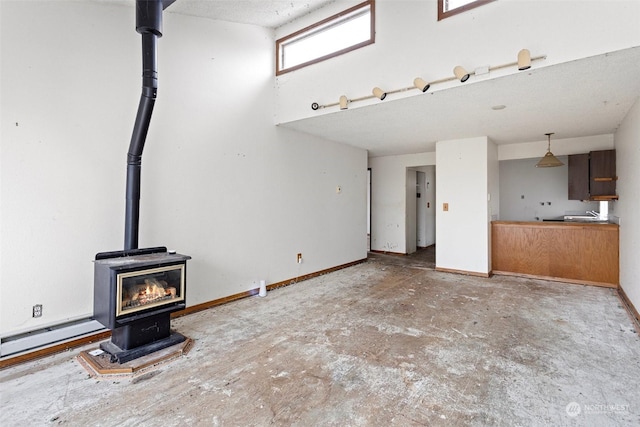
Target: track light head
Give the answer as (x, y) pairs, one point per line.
(461, 74)
(421, 84)
(379, 93)
(344, 102)
(524, 60)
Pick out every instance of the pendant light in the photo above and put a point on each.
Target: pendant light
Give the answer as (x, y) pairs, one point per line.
(549, 160)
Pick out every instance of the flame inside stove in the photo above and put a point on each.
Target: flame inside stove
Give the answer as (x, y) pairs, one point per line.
(150, 292)
(154, 291)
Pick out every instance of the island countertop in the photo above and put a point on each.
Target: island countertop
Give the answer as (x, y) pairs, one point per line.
(575, 252)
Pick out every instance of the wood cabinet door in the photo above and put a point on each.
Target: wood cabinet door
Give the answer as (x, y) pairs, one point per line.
(579, 177)
(602, 170)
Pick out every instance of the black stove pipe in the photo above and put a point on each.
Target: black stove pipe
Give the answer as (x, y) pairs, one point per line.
(149, 25)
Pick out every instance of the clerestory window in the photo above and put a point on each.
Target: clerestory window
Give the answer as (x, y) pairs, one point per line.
(341, 33)
(447, 8)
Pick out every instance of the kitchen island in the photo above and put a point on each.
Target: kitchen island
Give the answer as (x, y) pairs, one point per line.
(575, 252)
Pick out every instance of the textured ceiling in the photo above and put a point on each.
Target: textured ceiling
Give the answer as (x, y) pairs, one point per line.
(265, 13)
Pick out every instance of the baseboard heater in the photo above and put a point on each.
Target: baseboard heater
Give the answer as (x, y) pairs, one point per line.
(48, 336)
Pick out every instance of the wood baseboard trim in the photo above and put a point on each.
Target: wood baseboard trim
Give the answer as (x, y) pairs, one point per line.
(628, 305)
(209, 304)
(312, 275)
(69, 345)
(557, 279)
(464, 272)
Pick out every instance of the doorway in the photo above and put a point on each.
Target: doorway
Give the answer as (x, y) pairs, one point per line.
(420, 211)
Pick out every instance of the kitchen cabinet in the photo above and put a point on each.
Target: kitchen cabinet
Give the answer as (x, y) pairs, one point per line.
(564, 251)
(602, 174)
(579, 177)
(592, 176)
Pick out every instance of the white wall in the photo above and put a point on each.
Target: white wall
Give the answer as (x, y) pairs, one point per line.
(526, 191)
(388, 199)
(411, 42)
(219, 181)
(462, 237)
(559, 147)
(519, 177)
(69, 93)
(628, 187)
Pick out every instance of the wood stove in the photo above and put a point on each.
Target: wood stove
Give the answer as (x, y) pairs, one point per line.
(134, 294)
(136, 290)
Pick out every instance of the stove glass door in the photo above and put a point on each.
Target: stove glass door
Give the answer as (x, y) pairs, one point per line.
(143, 289)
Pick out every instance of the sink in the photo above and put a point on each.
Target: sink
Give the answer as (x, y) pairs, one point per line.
(583, 218)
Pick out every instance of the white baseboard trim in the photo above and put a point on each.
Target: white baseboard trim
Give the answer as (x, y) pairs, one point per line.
(47, 336)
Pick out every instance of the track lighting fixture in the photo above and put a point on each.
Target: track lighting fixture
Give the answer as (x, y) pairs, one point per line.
(379, 93)
(461, 74)
(524, 60)
(344, 102)
(421, 84)
(549, 160)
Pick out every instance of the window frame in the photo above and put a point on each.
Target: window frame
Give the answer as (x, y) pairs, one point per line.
(283, 40)
(442, 14)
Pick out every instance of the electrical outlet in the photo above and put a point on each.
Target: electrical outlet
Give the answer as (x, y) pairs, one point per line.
(299, 259)
(37, 310)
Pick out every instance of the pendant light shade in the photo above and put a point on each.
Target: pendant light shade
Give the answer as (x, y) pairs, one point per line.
(549, 160)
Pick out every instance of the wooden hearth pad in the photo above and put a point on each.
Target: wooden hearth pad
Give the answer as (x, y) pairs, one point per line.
(99, 366)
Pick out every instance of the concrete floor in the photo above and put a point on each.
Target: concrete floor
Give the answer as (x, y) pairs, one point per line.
(377, 344)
